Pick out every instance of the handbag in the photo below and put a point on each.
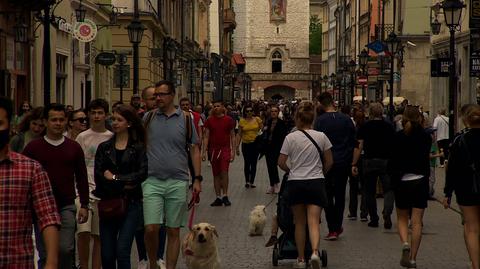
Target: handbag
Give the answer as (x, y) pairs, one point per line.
(113, 208)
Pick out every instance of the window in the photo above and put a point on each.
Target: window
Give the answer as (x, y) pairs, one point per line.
(61, 78)
(276, 62)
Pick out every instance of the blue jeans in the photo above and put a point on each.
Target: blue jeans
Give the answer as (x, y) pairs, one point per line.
(117, 236)
(67, 239)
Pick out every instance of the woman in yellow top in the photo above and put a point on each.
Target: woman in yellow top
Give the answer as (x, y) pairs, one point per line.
(248, 129)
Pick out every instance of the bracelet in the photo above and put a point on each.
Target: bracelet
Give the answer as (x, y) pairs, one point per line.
(199, 178)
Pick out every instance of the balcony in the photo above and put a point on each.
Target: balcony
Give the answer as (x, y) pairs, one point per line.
(229, 23)
(387, 29)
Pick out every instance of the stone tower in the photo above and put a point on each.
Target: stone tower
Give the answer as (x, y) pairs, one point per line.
(273, 38)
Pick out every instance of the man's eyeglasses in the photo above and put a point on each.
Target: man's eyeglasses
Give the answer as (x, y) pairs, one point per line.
(81, 120)
(161, 94)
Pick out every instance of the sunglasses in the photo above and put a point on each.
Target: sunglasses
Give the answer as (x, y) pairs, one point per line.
(81, 120)
(161, 94)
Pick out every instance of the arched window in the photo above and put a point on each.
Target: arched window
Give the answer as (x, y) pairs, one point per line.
(276, 62)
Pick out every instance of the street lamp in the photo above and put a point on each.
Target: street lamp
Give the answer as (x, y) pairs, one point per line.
(363, 60)
(393, 43)
(80, 12)
(352, 65)
(135, 34)
(452, 10)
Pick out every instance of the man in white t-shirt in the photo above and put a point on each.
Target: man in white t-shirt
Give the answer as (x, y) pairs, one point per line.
(441, 125)
(89, 140)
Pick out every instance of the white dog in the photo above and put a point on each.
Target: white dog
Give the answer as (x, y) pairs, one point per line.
(258, 218)
(200, 247)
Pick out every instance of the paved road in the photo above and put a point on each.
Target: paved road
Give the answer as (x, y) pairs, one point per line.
(360, 246)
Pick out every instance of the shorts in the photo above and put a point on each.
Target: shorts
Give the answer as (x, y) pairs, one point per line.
(467, 198)
(92, 225)
(165, 202)
(220, 160)
(412, 194)
(307, 192)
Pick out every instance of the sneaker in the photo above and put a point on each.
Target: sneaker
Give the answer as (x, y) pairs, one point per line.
(272, 241)
(331, 236)
(225, 201)
(143, 264)
(315, 261)
(405, 260)
(387, 222)
(300, 264)
(252, 186)
(413, 264)
(162, 264)
(363, 219)
(217, 202)
(351, 217)
(373, 224)
(270, 190)
(339, 232)
(247, 185)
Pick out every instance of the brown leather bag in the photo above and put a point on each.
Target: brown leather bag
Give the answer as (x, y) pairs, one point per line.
(114, 208)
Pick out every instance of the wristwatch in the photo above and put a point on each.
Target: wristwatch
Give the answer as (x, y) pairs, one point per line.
(199, 178)
(114, 177)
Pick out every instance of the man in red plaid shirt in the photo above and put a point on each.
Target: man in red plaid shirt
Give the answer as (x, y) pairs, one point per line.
(24, 190)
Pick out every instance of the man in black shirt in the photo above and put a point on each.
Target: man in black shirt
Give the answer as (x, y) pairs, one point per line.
(375, 138)
(340, 130)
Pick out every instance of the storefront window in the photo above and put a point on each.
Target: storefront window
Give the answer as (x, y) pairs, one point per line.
(61, 79)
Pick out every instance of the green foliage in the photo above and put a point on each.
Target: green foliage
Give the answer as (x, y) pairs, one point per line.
(315, 45)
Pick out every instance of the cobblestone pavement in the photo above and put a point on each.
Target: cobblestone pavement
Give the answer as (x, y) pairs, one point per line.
(360, 246)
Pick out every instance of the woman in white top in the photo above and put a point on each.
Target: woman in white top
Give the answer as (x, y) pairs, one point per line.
(306, 180)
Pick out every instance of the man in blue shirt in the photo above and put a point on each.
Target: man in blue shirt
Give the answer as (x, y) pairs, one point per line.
(165, 190)
(340, 131)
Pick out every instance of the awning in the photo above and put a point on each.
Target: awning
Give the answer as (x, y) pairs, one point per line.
(238, 59)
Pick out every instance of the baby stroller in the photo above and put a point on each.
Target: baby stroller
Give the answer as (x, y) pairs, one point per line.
(285, 248)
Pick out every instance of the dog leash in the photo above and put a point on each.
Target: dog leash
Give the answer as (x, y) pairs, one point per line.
(191, 207)
(271, 201)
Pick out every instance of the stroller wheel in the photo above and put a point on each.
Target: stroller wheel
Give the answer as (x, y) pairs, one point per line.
(275, 257)
(324, 258)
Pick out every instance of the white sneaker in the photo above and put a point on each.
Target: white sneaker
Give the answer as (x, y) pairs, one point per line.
(143, 264)
(315, 261)
(299, 265)
(162, 264)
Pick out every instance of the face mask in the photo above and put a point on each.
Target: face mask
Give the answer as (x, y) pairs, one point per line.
(4, 137)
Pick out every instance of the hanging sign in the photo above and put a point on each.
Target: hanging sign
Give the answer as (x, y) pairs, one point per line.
(85, 31)
(475, 14)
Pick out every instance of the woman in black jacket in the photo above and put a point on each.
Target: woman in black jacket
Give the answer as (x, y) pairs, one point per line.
(120, 168)
(465, 153)
(275, 132)
(410, 170)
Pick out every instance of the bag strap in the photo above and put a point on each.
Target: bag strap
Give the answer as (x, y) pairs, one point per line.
(313, 142)
(188, 124)
(149, 118)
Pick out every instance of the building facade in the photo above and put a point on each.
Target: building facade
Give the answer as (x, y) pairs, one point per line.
(272, 36)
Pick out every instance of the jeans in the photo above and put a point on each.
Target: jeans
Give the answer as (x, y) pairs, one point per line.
(375, 169)
(357, 186)
(272, 166)
(140, 240)
(250, 157)
(336, 186)
(66, 255)
(117, 237)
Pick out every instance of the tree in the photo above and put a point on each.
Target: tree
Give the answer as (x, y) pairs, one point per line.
(315, 37)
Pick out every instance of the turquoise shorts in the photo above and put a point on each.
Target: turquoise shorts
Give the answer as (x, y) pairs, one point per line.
(165, 201)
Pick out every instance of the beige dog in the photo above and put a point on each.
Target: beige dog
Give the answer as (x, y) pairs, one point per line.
(258, 218)
(200, 247)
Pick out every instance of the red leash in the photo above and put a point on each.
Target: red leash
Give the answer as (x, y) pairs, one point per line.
(191, 206)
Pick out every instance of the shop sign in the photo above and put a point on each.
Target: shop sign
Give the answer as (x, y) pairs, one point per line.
(475, 14)
(65, 26)
(475, 64)
(85, 31)
(105, 58)
(439, 67)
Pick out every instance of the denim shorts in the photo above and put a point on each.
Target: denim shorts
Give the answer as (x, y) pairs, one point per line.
(165, 202)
